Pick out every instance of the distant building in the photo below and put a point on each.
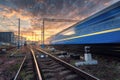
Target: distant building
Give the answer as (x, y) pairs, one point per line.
(7, 37)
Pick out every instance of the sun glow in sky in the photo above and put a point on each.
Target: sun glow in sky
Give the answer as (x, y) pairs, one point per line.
(30, 11)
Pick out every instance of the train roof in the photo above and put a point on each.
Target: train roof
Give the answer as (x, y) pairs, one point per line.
(93, 16)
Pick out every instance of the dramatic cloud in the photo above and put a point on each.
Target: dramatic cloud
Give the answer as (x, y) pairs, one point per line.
(32, 12)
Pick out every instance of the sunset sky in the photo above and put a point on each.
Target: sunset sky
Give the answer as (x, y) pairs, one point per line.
(30, 11)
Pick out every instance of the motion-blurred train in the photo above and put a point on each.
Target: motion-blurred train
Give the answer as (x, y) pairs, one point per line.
(101, 31)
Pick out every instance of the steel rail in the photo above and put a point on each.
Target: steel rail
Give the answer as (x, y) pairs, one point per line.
(84, 74)
(36, 64)
(16, 76)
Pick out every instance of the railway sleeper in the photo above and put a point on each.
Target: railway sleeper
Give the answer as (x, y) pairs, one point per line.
(71, 77)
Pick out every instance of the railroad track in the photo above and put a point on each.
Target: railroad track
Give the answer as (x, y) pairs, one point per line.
(28, 69)
(40, 65)
(53, 68)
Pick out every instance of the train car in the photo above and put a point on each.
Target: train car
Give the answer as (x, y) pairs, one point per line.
(101, 31)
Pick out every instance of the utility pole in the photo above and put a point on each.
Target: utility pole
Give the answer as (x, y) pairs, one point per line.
(35, 37)
(18, 33)
(42, 34)
(32, 37)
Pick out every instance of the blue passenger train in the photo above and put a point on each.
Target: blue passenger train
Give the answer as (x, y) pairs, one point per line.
(98, 30)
